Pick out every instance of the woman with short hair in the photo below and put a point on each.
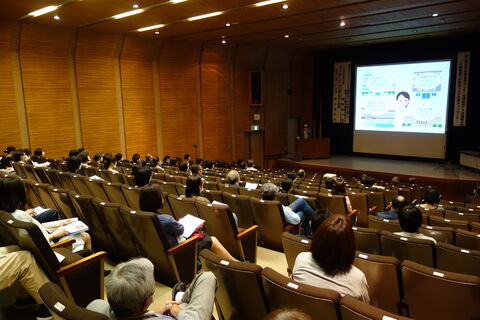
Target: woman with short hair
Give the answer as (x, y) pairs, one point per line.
(194, 189)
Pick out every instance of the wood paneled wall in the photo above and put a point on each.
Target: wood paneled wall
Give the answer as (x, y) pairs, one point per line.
(119, 93)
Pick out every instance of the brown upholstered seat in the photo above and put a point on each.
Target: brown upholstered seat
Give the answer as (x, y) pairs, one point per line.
(283, 198)
(336, 204)
(33, 199)
(376, 199)
(442, 222)
(210, 185)
(383, 278)
(212, 195)
(132, 196)
(104, 174)
(312, 201)
(256, 193)
(62, 307)
(359, 201)
(29, 172)
(228, 188)
(403, 248)
(461, 215)
(66, 179)
(167, 187)
(90, 171)
(292, 246)
(367, 240)
(432, 212)
(282, 292)
(467, 239)
(172, 264)
(242, 207)
(20, 169)
(62, 202)
(113, 190)
(80, 184)
(96, 189)
(41, 174)
(457, 259)
(219, 222)
(388, 195)
(441, 234)
(475, 227)
(240, 293)
(440, 295)
(182, 206)
(115, 177)
(129, 180)
(354, 309)
(383, 224)
(44, 196)
(53, 176)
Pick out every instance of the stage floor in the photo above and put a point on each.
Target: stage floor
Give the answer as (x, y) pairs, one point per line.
(400, 167)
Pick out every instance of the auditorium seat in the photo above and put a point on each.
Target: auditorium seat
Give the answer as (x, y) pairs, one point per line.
(41, 174)
(80, 184)
(181, 187)
(466, 216)
(210, 185)
(376, 199)
(283, 198)
(219, 222)
(440, 295)
(228, 188)
(240, 294)
(432, 212)
(467, 239)
(115, 177)
(383, 224)
(354, 309)
(403, 248)
(129, 180)
(44, 195)
(114, 193)
(167, 187)
(33, 199)
(475, 227)
(293, 245)
(383, 278)
(29, 173)
(283, 292)
(96, 189)
(407, 193)
(104, 174)
(359, 201)
(172, 265)
(335, 203)
(367, 240)
(212, 195)
(256, 193)
(182, 206)
(457, 259)
(91, 171)
(66, 179)
(132, 196)
(242, 207)
(62, 307)
(455, 224)
(64, 205)
(441, 234)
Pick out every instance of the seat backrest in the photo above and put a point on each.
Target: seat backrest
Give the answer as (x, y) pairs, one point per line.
(270, 220)
(61, 306)
(384, 224)
(167, 187)
(29, 173)
(104, 174)
(359, 201)
(283, 198)
(96, 189)
(367, 240)
(54, 178)
(475, 227)
(403, 248)
(389, 194)
(456, 259)
(63, 202)
(432, 212)
(292, 246)
(80, 183)
(256, 193)
(33, 199)
(282, 292)
(354, 309)
(440, 295)
(243, 209)
(210, 185)
(377, 199)
(228, 188)
(66, 179)
(212, 195)
(132, 196)
(45, 197)
(336, 204)
(442, 222)
(115, 177)
(460, 215)
(41, 174)
(441, 234)
(467, 239)
(240, 292)
(407, 193)
(182, 206)
(117, 229)
(383, 278)
(91, 171)
(113, 190)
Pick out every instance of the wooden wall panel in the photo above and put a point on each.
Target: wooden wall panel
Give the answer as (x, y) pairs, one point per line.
(9, 124)
(216, 75)
(48, 99)
(246, 58)
(96, 81)
(136, 64)
(277, 99)
(179, 96)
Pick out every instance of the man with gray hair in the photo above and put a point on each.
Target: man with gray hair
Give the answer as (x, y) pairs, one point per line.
(233, 177)
(297, 212)
(131, 286)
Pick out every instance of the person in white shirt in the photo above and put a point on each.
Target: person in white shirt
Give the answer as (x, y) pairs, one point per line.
(329, 264)
(250, 166)
(410, 219)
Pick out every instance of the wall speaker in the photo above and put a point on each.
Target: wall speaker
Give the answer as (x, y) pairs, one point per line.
(256, 88)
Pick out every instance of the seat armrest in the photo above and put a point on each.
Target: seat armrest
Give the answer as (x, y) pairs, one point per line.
(79, 264)
(247, 243)
(64, 244)
(352, 213)
(246, 232)
(183, 245)
(372, 210)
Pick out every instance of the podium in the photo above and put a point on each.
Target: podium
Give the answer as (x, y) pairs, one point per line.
(314, 148)
(254, 147)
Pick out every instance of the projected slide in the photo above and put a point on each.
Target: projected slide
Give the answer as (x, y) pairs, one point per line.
(407, 97)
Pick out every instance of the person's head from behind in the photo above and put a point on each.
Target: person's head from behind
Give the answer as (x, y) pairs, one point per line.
(73, 164)
(431, 196)
(250, 163)
(98, 157)
(118, 157)
(333, 245)
(135, 157)
(38, 152)
(73, 153)
(410, 219)
(12, 194)
(287, 314)
(130, 287)
(142, 175)
(9, 150)
(412, 180)
(196, 169)
(398, 203)
(395, 181)
(339, 186)
(151, 198)
(301, 173)
(286, 185)
(183, 166)
(403, 98)
(155, 161)
(318, 217)
(83, 156)
(269, 191)
(291, 175)
(329, 182)
(233, 177)
(186, 157)
(369, 181)
(194, 186)
(243, 165)
(109, 161)
(27, 152)
(18, 155)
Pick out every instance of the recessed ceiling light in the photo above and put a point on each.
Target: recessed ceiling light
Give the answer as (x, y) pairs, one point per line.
(266, 3)
(204, 16)
(39, 12)
(286, 36)
(224, 41)
(285, 6)
(435, 15)
(127, 14)
(56, 17)
(342, 23)
(157, 32)
(227, 24)
(177, 1)
(135, 6)
(151, 27)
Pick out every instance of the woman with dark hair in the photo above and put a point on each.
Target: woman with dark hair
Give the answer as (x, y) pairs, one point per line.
(142, 175)
(431, 199)
(97, 160)
(196, 169)
(109, 163)
(152, 200)
(84, 159)
(6, 160)
(194, 189)
(329, 264)
(38, 156)
(19, 156)
(339, 188)
(73, 164)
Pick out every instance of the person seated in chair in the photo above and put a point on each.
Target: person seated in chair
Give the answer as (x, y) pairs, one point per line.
(395, 182)
(131, 288)
(339, 189)
(395, 206)
(196, 170)
(301, 173)
(292, 175)
(297, 212)
(233, 178)
(73, 164)
(142, 175)
(38, 156)
(431, 199)
(6, 160)
(183, 166)
(109, 163)
(286, 185)
(410, 219)
(250, 165)
(19, 156)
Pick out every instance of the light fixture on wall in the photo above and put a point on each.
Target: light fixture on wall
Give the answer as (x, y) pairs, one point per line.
(127, 14)
(206, 15)
(39, 12)
(157, 26)
(266, 3)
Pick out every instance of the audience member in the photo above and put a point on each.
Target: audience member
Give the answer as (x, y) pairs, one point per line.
(109, 163)
(19, 156)
(369, 181)
(318, 217)
(286, 185)
(301, 173)
(250, 165)
(292, 175)
(395, 181)
(243, 165)
(412, 181)
(142, 175)
(97, 160)
(287, 314)
(431, 199)
(6, 160)
(233, 178)
(339, 188)
(131, 287)
(297, 212)
(135, 158)
(196, 169)
(194, 189)
(73, 153)
(73, 164)
(183, 166)
(395, 206)
(118, 157)
(329, 182)
(410, 219)
(329, 264)
(38, 156)
(84, 159)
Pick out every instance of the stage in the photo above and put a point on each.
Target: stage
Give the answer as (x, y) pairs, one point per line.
(454, 181)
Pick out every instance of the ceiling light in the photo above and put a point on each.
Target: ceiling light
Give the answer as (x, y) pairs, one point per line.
(135, 6)
(177, 1)
(266, 3)
(157, 32)
(224, 41)
(227, 24)
(342, 23)
(43, 11)
(127, 14)
(151, 27)
(435, 15)
(56, 17)
(285, 6)
(286, 36)
(204, 16)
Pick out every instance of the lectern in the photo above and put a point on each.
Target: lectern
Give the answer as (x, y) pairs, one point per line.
(254, 147)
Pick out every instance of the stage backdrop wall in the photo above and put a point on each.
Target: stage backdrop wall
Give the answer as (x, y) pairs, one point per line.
(341, 135)
(62, 88)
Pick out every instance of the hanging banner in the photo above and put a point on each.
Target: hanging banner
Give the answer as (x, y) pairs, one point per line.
(341, 92)
(461, 89)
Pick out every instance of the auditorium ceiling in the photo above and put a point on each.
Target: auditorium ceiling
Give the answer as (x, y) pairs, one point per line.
(292, 23)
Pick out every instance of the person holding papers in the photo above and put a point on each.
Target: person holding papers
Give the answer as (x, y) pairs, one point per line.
(152, 200)
(13, 199)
